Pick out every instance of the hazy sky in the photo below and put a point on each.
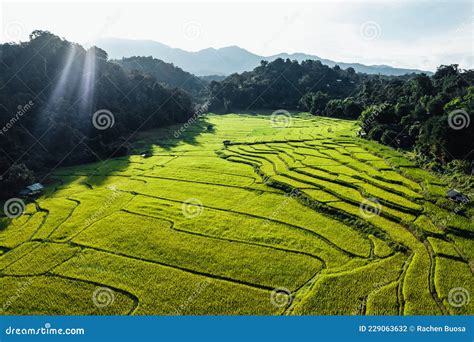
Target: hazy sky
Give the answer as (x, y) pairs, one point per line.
(399, 33)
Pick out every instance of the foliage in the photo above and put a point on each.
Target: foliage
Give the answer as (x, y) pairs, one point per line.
(411, 112)
(282, 84)
(166, 74)
(50, 89)
(16, 177)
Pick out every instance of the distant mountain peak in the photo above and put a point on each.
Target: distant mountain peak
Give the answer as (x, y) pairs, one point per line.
(232, 47)
(223, 61)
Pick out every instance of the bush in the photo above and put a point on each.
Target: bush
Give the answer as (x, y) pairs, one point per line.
(16, 177)
(389, 138)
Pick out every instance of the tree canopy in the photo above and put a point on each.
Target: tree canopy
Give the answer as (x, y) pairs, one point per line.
(49, 90)
(167, 74)
(411, 112)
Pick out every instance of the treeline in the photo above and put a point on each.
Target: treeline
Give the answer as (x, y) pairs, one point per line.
(281, 84)
(49, 91)
(61, 104)
(167, 75)
(429, 115)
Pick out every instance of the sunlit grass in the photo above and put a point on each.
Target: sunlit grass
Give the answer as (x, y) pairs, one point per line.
(278, 207)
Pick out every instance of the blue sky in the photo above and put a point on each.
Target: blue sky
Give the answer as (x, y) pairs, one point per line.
(399, 33)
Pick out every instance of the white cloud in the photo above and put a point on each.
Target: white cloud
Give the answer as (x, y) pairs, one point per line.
(412, 34)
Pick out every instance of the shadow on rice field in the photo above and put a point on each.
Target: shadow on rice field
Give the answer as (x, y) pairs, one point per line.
(242, 214)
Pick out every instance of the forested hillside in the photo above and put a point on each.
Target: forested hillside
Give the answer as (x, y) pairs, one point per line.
(166, 74)
(49, 91)
(282, 84)
(225, 60)
(52, 91)
(430, 115)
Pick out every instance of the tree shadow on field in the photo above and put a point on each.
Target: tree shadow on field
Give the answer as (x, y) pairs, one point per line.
(172, 136)
(141, 148)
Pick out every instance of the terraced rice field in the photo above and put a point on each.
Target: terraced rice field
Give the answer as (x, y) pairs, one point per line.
(298, 219)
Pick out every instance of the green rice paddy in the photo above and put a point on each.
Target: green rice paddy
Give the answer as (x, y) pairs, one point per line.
(338, 224)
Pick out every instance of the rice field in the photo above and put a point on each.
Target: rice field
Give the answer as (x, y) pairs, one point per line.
(302, 218)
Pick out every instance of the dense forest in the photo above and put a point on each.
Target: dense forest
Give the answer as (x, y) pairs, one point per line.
(282, 84)
(167, 74)
(429, 115)
(50, 90)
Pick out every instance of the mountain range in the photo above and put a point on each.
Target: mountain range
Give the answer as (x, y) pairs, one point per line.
(222, 61)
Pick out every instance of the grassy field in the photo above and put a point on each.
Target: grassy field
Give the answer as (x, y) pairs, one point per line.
(299, 218)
